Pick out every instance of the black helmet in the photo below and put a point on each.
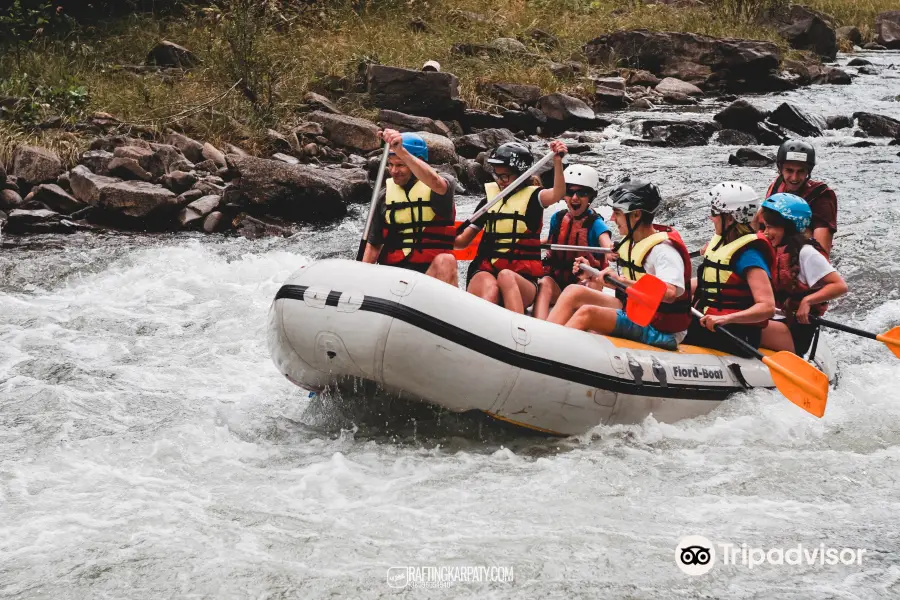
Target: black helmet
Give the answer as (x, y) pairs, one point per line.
(796, 151)
(514, 155)
(635, 195)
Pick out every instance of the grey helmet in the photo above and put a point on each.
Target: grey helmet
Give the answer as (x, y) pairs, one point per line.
(514, 155)
(796, 151)
(635, 195)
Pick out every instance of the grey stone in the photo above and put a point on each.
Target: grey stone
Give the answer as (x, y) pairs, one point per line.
(877, 125)
(32, 165)
(55, 198)
(348, 132)
(137, 199)
(179, 181)
(213, 222)
(190, 148)
(212, 153)
(440, 148)
(671, 85)
(86, 186)
(194, 212)
(424, 93)
(128, 168)
(10, 199)
(748, 157)
(97, 161)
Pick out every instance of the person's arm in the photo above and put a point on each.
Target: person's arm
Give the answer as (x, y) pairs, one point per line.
(371, 253)
(824, 219)
(762, 310)
(825, 237)
(552, 196)
(834, 287)
(465, 238)
(421, 169)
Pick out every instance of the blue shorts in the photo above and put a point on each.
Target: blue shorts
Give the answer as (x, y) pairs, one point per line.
(629, 330)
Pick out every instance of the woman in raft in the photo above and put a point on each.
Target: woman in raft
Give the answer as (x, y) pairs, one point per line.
(508, 263)
(803, 279)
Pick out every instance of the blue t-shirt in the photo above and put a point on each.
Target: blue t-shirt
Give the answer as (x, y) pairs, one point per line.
(597, 229)
(751, 258)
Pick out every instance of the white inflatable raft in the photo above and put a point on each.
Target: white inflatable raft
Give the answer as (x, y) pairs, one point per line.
(415, 335)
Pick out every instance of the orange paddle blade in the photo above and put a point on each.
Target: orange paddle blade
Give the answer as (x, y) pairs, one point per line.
(892, 340)
(644, 298)
(799, 381)
(469, 252)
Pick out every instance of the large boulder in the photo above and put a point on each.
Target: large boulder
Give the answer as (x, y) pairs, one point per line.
(190, 148)
(301, 192)
(733, 137)
(809, 30)
(403, 122)
(741, 115)
(97, 161)
(524, 95)
(671, 85)
(565, 111)
(473, 144)
(55, 198)
(877, 125)
(748, 61)
(833, 76)
(348, 132)
(425, 93)
(32, 165)
(609, 93)
(86, 186)
(35, 221)
(10, 199)
(196, 211)
(170, 54)
(851, 34)
(839, 122)
(887, 29)
(440, 148)
(748, 157)
(135, 199)
(146, 158)
(800, 122)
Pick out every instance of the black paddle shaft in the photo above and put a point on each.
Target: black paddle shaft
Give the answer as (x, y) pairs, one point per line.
(841, 327)
(742, 343)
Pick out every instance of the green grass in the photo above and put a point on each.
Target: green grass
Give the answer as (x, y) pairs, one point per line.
(332, 42)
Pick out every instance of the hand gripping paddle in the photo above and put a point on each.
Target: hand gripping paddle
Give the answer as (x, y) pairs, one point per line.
(644, 297)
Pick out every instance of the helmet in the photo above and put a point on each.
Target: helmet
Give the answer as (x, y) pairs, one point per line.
(735, 199)
(514, 155)
(796, 151)
(583, 175)
(635, 195)
(415, 145)
(791, 207)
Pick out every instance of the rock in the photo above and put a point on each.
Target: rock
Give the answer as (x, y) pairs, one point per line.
(32, 165)
(212, 153)
(472, 144)
(741, 115)
(285, 158)
(562, 71)
(149, 161)
(63, 182)
(190, 148)
(642, 78)
(321, 103)
(310, 149)
(110, 143)
(861, 144)
(874, 46)
(231, 149)
(525, 95)
(135, 199)
(253, 228)
(641, 104)
(35, 221)
(214, 222)
(10, 199)
(440, 148)
(179, 181)
(424, 93)
(509, 46)
(679, 134)
(808, 30)
(55, 198)
(748, 61)
(349, 132)
(877, 125)
(609, 92)
(792, 118)
(747, 157)
(97, 161)
(867, 71)
(858, 62)
(207, 166)
(128, 168)
(566, 111)
(671, 85)
(308, 129)
(770, 134)
(678, 98)
(403, 122)
(169, 54)
(86, 186)
(850, 33)
(887, 29)
(687, 71)
(834, 76)
(171, 158)
(543, 38)
(839, 122)
(194, 212)
(733, 137)
(189, 196)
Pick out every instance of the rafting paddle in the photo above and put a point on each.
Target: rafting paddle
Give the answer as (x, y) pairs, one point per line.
(644, 296)
(588, 249)
(891, 339)
(796, 379)
(373, 206)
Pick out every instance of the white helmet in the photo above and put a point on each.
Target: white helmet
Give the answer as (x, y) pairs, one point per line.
(582, 175)
(735, 199)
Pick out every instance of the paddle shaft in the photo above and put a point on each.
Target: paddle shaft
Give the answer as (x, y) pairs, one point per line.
(566, 248)
(595, 272)
(506, 191)
(841, 327)
(736, 339)
(373, 206)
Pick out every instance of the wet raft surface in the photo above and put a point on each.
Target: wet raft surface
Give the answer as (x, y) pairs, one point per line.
(148, 447)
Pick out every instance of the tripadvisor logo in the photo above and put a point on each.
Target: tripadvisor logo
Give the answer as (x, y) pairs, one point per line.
(696, 555)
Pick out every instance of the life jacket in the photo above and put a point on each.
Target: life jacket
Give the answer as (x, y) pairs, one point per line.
(810, 191)
(507, 242)
(571, 232)
(412, 231)
(789, 290)
(671, 317)
(721, 291)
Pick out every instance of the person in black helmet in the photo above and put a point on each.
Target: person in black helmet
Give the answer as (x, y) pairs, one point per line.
(645, 248)
(795, 162)
(508, 263)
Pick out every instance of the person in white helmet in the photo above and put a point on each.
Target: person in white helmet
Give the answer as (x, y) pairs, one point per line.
(580, 225)
(733, 285)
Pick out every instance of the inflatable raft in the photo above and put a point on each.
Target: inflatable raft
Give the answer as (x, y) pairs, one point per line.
(419, 337)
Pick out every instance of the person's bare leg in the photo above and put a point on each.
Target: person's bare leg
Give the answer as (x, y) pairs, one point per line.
(443, 267)
(576, 296)
(594, 318)
(485, 286)
(548, 292)
(777, 336)
(516, 291)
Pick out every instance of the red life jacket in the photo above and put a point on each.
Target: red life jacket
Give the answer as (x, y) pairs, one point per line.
(721, 291)
(671, 317)
(571, 232)
(508, 242)
(810, 191)
(413, 233)
(789, 290)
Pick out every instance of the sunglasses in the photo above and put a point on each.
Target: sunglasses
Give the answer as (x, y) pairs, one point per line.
(504, 176)
(583, 192)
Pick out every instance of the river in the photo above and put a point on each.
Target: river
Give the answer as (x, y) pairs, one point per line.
(150, 449)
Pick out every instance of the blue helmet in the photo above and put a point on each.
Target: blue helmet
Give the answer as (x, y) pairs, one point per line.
(415, 145)
(791, 207)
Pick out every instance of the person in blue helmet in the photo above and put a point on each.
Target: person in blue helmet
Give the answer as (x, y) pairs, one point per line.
(414, 226)
(803, 279)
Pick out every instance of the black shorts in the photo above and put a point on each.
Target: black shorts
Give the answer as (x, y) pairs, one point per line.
(699, 335)
(803, 337)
